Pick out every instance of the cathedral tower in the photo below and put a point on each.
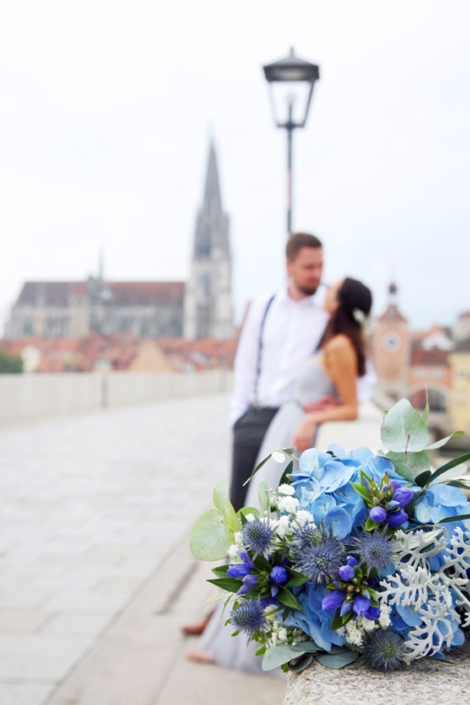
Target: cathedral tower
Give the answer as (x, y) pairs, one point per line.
(208, 301)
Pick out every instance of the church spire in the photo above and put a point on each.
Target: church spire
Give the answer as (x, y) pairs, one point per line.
(212, 203)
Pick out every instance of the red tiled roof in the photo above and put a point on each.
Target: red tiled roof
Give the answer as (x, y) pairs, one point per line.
(124, 293)
(434, 357)
(146, 293)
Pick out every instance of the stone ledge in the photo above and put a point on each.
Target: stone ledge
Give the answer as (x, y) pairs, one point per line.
(425, 682)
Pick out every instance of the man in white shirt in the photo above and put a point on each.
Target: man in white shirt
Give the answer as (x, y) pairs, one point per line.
(279, 335)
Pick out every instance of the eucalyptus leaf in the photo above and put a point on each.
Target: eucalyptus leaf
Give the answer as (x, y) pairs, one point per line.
(276, 656)
(300, 663)
(457, 473)
(305, 647)
(337, 660)
(443, 441)
(403, 429)
(263, 497)
(221, 500)
(244, 511)
(210, 537)
(400, 467)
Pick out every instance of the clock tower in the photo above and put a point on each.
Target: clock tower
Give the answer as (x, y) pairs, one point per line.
(392, 347)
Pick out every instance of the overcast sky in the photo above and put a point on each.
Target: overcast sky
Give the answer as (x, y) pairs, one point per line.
(105, 109)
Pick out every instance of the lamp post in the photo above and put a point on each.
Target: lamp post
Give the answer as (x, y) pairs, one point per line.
(291, 81)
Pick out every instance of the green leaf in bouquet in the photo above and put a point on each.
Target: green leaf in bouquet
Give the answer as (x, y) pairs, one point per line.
(278, 655)
(337, 660)
(288, 599)
(221, 500)
(258, 467)
(262, 563)
(443, 441)
(336, 622)
(370, 525)
(451, 464)
(210, 538)
(410, 465)
(306, 647)
(449, 520)
(361, 491)
(425, 413)
(261, 651)
(300, 663)
(263, 497)
(244, 511)
(285, 479)
(400, 467)
(462, 484)
(423, 478)
(220, 571)
(403, 429)
(228, 584)
(296, 579)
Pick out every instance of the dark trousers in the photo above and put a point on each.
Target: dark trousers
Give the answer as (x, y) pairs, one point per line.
(248, 434)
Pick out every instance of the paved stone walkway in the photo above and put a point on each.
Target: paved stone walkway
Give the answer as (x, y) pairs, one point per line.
(91, 506)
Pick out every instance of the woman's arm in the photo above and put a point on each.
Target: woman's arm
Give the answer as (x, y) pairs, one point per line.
(341, 367)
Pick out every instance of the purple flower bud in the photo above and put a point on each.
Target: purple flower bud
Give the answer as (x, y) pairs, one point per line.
(353, 562)
(249, 582)
(279, 575)
(392, 505)
(372, 613)
(361, 605)
(403, 495)
(238, 571)
(246, 559)
(347, 573)
(274, 590)
(345, 608)
(269, 602)
(333, 600)
(378, 514)
(396, 519)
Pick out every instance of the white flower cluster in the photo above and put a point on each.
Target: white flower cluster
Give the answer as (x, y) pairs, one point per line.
(356, 628)
(234, 550)
(278, 634)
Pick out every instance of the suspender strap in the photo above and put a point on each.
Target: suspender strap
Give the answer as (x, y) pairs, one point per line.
(260, 346)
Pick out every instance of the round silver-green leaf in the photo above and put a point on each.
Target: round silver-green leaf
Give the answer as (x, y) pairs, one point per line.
(210, 537)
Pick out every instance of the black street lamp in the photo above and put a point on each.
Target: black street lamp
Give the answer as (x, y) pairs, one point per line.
(291, 81)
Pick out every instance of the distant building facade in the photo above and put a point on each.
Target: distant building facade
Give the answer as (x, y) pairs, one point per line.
(201, 308)
(460, 370)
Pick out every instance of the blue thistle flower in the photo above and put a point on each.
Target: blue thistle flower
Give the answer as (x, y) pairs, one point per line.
(249, 617)
(306, 536)
(375, 550)
(384, 650)
(258, 537)
(321, 561)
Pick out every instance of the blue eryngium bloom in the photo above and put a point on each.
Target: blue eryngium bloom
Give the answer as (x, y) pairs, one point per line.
(321, 561)
(258, 537)
(384, 650)
(375, 550)
(279, 575)
(249, 617)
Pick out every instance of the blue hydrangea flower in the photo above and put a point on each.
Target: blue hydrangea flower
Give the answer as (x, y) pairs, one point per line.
(439, 502)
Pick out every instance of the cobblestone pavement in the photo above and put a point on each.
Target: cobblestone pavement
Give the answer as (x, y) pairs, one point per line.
(90, 506)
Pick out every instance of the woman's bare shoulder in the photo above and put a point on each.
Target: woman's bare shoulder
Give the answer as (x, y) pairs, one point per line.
(340, 344)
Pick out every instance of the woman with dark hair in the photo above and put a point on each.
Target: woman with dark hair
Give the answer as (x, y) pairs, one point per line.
(341, 357)
(331, 372)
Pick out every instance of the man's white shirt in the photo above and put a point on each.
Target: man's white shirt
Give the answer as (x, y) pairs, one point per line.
(291, 334)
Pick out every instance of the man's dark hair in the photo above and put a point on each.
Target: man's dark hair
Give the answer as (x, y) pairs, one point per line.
(299, 240)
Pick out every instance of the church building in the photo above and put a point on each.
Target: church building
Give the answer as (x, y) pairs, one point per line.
(200, 308)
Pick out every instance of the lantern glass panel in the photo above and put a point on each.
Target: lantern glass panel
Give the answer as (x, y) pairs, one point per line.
(282, 94)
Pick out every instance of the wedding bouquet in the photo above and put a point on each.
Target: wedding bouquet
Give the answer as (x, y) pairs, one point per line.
(355, 553)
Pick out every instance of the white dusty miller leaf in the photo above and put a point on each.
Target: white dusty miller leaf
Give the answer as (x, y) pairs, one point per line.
(414, 548)
(436, 631)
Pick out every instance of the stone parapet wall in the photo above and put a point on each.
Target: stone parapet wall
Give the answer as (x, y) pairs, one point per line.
(34, 395)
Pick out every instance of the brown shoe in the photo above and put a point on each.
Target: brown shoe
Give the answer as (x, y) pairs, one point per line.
(196, 629)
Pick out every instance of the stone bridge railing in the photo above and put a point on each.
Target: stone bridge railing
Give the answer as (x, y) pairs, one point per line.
(33, 395)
